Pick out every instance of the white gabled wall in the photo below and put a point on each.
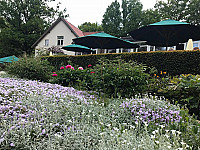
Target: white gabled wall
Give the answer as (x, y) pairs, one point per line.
(60, 29)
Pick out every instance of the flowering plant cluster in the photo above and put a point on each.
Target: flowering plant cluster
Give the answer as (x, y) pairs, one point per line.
(36, 115)
(152, 111)
(55, 50)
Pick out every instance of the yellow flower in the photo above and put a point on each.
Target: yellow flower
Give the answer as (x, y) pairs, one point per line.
(155, 75)
(164, 72)
(160, 72)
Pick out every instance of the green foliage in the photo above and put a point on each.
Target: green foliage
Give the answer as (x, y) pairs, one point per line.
(22, 22)
(132, 15)
(90, 27)
(172, 62)
(119, 79)
(119, 23)
(179, 10)
(112, 78)
(79, 79)
(112, 19)
(30, 68)
(184, 90)
(150, 16)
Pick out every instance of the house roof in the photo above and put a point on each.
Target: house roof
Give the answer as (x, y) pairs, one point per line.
(77, 32)
(88, 33)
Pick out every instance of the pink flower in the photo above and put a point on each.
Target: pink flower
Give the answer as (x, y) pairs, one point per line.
(89, 65)
(68, 66)
(80, 68)
(54, 72)
(92, 72)
(62, 67)
(72, 68)
(54, 75)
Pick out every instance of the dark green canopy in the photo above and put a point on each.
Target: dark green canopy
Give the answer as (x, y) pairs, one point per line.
(8, 59)
(104, 41)
(166, 33)
(78, 48)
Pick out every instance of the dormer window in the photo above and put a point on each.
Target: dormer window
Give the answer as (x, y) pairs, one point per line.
(60, 40)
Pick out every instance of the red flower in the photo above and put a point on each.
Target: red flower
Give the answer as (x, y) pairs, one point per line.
(89, 65)
(54, 75)
(68, 66)
(62, 67)
(72, 68)
(92, 72)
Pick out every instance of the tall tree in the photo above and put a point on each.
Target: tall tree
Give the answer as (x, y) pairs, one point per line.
(111, 22)
(120, 23)
(90, 27)
(22, 22)
(181, 10)
(150, 16)
(132, 15)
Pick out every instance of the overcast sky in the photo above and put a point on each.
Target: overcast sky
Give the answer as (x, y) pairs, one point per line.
(81, 11)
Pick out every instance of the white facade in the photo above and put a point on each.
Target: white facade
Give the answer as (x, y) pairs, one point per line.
(51, 39)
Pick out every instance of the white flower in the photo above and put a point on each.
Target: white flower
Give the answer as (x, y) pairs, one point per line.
(162, 126)
(116, 129)
(173, 131)
(178, 132)
(153, 136)
(157, 142)
(169, 146)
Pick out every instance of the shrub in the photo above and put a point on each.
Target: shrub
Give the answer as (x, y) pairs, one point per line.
(117, 78)
(113, 78)
(174, 62)
(30, 68)
(184, 90)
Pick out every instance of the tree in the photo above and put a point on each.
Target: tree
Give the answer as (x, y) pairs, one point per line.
(111, 22)
(120, 23)
(132, 15)
(22, 22)
(90, 27)
(180, 10)
(150, 16)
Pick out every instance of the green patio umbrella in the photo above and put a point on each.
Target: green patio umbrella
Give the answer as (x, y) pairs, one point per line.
(8, 59)
(166, 33)
(77, 48)
(104, 41)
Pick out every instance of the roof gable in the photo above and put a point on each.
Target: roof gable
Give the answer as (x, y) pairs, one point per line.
(77, 32)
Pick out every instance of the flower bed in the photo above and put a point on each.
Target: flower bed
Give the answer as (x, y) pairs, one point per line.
(36, 115)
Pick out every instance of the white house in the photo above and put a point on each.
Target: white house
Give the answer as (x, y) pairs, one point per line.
(59, 34)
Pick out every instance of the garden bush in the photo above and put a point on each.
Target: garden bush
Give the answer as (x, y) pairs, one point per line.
(184, 90)
(113, 78)
(174, 62)
(31, 68)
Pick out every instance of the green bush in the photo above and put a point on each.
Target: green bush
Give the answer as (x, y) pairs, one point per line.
(113, 78)
(184, 90)
(77, 78)
(117, 78)
(31, 68)
(174, 62)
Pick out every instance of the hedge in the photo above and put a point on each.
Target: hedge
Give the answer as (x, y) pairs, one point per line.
(173, 62)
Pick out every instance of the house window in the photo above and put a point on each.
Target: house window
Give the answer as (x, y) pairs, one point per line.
(46, 42)
(60, 40)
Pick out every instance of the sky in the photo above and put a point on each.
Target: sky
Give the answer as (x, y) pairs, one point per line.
(81, 11)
